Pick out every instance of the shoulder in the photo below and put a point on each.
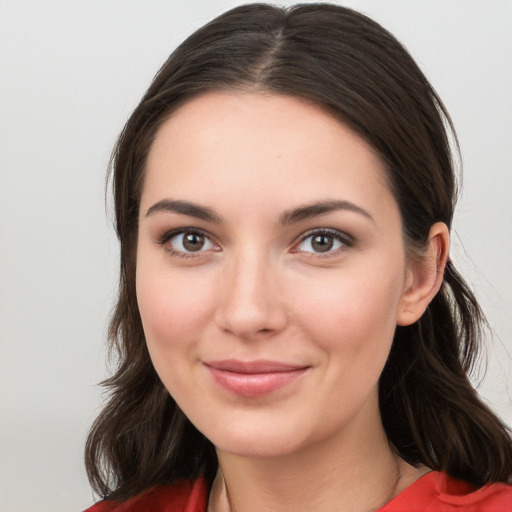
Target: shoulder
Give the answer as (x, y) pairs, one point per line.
(438, 492)
(181, 496)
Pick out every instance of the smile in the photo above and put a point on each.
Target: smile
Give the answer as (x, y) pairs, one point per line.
(253, 378)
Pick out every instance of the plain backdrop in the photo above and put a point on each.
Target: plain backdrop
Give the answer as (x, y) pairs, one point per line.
(71, 71)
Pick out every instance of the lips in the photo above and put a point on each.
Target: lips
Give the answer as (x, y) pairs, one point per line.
(254, 378)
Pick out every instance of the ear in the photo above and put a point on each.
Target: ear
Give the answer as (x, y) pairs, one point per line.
(425, 276)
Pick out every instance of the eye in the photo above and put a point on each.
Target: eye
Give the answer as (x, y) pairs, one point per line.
(324, 241)
(187, 242)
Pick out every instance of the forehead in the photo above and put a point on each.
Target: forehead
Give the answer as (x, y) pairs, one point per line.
(263, 148)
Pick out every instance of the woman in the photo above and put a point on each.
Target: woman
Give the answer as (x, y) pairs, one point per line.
(292, 334)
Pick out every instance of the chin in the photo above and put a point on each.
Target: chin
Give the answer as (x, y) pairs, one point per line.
(250, 436)
(264, 437)
(266, 446)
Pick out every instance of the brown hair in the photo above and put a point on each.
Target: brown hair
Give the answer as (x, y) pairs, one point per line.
(350, 65)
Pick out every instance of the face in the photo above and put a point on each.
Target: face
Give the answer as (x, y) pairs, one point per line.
(271, 271)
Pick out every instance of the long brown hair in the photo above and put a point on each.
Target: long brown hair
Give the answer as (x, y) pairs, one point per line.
(350, 65)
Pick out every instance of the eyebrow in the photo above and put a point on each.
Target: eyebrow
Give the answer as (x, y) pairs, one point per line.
(286, 218)
(320, 208)
(185, 208)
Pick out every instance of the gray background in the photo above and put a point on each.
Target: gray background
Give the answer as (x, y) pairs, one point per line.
(71, 71)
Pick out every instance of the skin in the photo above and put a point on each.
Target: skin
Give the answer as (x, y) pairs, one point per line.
(259, 289)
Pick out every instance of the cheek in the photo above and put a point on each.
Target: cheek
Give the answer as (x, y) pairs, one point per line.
(353, 315)
(174, 311)
(174, 308)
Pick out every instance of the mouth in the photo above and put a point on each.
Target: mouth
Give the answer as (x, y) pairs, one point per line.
(254, 378)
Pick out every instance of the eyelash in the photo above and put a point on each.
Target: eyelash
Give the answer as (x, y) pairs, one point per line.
(345, 240)
(169, 235)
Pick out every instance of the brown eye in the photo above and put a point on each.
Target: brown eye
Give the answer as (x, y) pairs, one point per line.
(322, 243)
(187, 242)
(193, 241)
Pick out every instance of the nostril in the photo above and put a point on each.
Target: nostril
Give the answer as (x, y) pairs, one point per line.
(249, 303)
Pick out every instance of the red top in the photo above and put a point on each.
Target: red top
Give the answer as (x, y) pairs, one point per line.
(433, 492)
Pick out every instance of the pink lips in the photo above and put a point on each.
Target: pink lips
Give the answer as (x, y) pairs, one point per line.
(253, 378)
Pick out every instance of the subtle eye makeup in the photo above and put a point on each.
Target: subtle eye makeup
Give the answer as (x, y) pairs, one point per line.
(323, 242)
(187, 242)
(192, 242)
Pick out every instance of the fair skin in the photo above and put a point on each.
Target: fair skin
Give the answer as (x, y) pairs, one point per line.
(271, 275)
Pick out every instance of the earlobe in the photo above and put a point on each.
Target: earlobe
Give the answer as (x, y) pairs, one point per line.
(425, 276)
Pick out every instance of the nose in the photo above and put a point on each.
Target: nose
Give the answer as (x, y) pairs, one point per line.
(250, 304)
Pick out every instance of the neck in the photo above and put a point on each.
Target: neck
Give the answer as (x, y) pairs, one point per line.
(356, 468)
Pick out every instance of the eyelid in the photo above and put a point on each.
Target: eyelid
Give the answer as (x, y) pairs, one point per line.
(168, 235)
(343, 237)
